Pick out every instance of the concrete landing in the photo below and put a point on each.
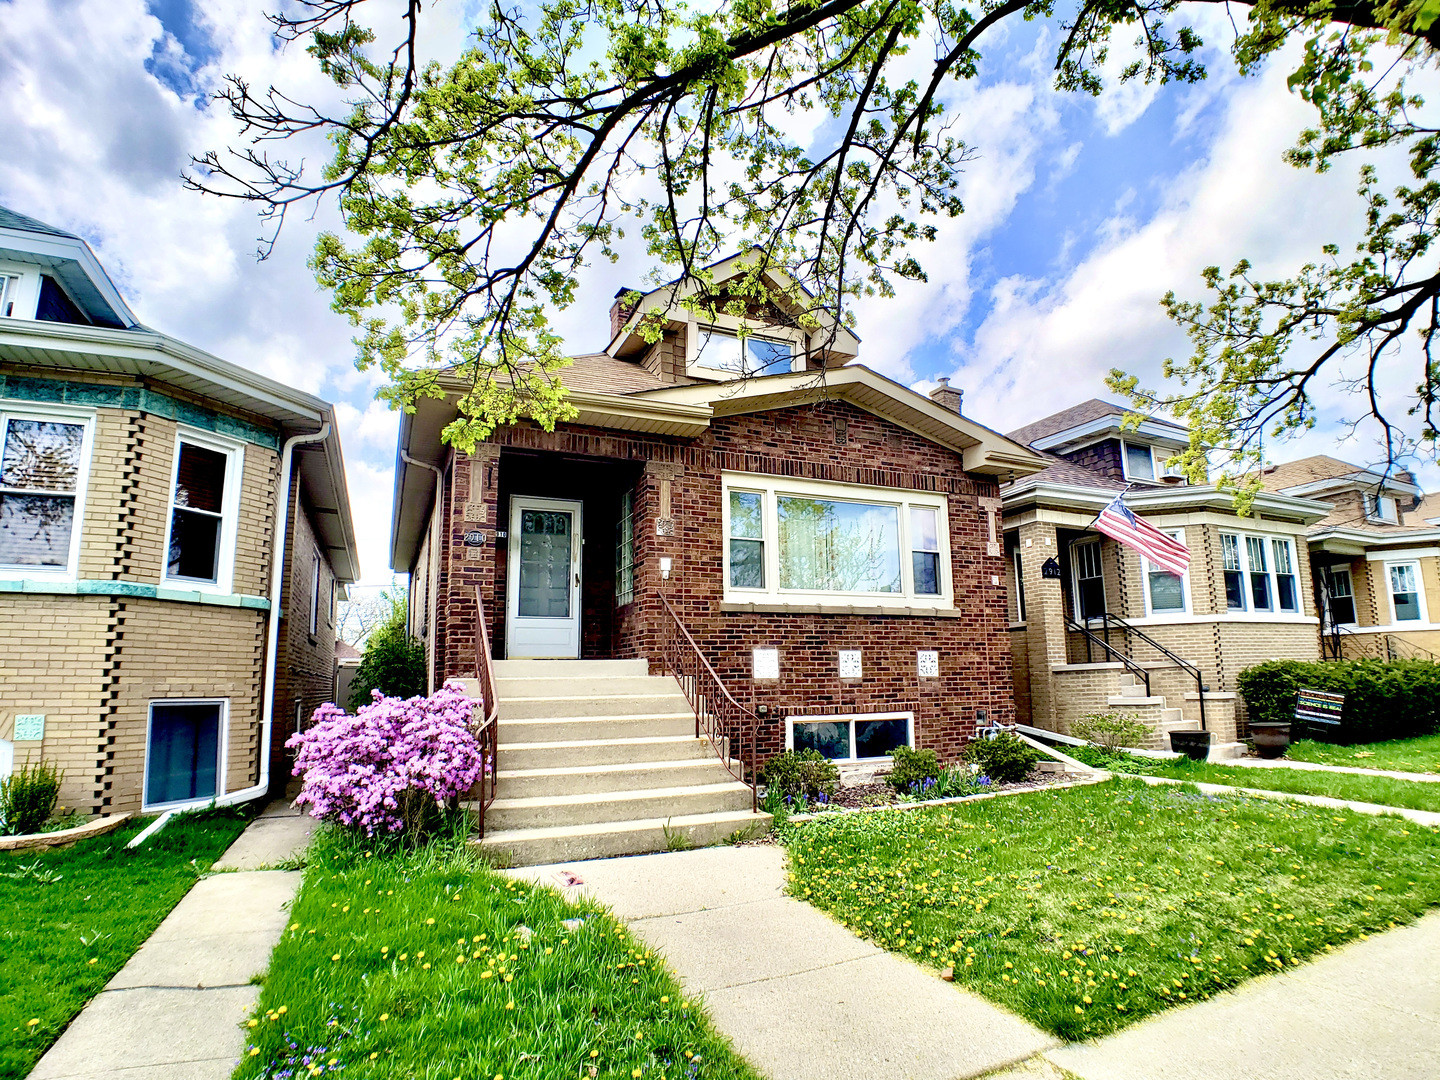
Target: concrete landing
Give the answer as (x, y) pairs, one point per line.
(174, 1011)
(799, 995)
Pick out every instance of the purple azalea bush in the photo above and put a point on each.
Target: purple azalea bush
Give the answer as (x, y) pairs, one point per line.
(393, 764)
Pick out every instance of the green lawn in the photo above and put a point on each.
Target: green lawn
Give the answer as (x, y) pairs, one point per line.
(429, 964)
(1086, 909)
(74, 916)
(1404, 755)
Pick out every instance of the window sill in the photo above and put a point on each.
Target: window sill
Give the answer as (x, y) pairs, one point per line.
(780, 608)
(133, 589)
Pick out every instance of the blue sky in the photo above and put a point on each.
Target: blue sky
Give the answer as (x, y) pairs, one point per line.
(1080, 214)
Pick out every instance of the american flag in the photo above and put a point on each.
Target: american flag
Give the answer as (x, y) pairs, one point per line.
(1117, 522)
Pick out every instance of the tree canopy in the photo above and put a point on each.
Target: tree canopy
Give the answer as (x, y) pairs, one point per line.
(473, 193)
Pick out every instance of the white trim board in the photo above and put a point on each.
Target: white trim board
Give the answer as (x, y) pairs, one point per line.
(1403, 554)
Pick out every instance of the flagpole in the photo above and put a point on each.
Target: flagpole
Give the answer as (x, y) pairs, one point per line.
(1121, 497)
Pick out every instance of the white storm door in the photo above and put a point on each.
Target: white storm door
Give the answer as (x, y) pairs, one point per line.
(542, 609)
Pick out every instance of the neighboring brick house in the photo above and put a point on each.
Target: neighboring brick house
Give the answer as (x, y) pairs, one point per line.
(1376, 557)
(783, 497)
(143, 488)
(1246, 597)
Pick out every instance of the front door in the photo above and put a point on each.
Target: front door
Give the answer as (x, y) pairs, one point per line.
(542, 608)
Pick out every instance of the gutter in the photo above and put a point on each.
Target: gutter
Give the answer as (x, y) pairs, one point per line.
(277, 581)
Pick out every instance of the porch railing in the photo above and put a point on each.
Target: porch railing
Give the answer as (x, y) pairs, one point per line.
(1093, 639)
(1108, 619)
(1370, 646)
(487, 734)
(730, 727)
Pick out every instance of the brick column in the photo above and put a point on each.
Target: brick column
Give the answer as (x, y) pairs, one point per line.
(472, 509)
(1044, 619)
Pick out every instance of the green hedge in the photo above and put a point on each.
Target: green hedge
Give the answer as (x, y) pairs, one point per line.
(1394, 699)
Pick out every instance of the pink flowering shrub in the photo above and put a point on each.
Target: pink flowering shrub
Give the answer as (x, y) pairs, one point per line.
(391, 766)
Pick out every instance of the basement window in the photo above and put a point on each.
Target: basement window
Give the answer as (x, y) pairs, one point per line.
(854, 737)
(204, 506)
(183, 752)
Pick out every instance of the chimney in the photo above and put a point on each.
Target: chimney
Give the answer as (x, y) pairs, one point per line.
(946, 396)
(620, 313)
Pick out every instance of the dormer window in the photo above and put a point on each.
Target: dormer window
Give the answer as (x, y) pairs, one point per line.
(9, 295)
(1382, 508)
(1139, 462)
(721, 350)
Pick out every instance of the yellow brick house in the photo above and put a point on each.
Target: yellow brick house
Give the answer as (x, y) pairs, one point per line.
(151, 644)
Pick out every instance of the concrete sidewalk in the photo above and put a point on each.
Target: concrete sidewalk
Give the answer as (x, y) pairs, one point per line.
(174, 1011)
(799, 995)
(1315, 766)
(1420, 817)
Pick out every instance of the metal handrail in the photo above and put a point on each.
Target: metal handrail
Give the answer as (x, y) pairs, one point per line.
(718, 716)
(1093, 638)
(1179, 661)
(487, 734)
(1392, 647)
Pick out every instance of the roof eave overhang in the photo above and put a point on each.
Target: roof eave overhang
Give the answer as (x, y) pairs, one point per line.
(1161, 500)
(1111, 426)
(1341, 540)
(1361, 480)
(71, 249)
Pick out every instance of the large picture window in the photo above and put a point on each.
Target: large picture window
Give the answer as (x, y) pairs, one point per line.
(43, 465)
(752, 355)
(859, 737)
(204, 505)
(815, 542)
(184, 752)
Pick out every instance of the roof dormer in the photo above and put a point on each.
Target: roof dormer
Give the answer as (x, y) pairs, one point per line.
(50, 275)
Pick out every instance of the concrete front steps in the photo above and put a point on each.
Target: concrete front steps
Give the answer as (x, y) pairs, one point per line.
(598, 758)
(1155, 710)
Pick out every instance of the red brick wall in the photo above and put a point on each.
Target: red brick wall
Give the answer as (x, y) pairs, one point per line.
(800, 442)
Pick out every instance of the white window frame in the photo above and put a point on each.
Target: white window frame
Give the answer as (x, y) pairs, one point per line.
(222, 747)
(1147, 567)
(772, 488)
(850, 718)
(229, 514)
(1075, 547)
(64, 415)
(1424, 619)
(1125, 446)
(315, 594)
(1374, 508)
(26, 295)
(1017, 560)
(697, 364)
(1271, 572)
(1331, 571)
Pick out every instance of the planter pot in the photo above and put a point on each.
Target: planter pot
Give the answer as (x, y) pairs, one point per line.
(1270, 738)
(1193, 744)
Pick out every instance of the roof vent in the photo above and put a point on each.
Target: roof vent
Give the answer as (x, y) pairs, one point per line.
(946, 396)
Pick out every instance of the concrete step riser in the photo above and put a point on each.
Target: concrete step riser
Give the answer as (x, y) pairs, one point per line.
(550, 669)
(534, 729)
(519, 851)
(627, 705)
(561, 757)
(672, 804)
(585, 687)
(632, 779)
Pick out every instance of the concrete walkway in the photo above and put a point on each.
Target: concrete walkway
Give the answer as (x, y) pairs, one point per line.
(174, 1011)
(799, 995)
(1420, 817)
(1314, 766)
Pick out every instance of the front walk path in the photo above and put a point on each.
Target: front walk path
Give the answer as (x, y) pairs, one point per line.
(799, 996)
(174, 1011)
(1420, 817)
(1315, 766)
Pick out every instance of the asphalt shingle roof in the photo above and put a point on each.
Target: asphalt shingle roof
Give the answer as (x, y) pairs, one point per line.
(9, 219)
(1086, 411)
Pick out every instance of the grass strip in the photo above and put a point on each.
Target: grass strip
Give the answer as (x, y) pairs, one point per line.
(1086, 909)
(1420, 755)
(75, 915)
(1411, 794)
(427, 963)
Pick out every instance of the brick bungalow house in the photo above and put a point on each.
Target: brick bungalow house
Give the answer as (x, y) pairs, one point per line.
(153, 646)
(1375, 554)
(1095, 628)
(829, 538)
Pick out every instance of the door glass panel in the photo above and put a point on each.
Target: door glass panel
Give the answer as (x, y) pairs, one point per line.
(545, 543)
(184, 753)
(828, 737)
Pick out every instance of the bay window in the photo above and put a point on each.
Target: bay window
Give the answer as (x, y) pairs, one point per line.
(820, 542)
(204, 507)
(1260, 574)
(43, 467)
(1405, 599)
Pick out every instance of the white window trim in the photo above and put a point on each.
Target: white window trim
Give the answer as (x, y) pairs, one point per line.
(1271, 572)
(1017, 561)
(222, 751)
(1125, 446)
(837, 718)
(770, 488)
(1354, 600)
(230, 511)
(1374, 501)
(1075, 547)
(315, 576)
(1395, 622)
(694, 361)
(1146, 567)
(66, 415)
(27, 293)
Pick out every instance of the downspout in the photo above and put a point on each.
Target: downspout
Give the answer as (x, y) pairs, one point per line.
(277, 581)
(433, 584)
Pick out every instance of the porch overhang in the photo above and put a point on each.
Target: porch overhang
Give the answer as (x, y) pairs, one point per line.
(1342, 540)
(1155, 501)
